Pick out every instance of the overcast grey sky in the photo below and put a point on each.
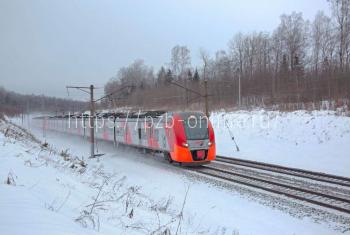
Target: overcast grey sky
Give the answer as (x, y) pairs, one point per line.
(46, 45)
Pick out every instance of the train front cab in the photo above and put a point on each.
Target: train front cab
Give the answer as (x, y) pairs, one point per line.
(194, 142)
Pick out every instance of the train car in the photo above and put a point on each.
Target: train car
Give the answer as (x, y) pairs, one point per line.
(183, 137)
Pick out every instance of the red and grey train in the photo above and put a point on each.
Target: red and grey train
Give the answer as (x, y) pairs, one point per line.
(184, 137)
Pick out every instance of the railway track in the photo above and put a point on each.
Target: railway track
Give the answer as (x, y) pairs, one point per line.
(317, 176)
(324, 199)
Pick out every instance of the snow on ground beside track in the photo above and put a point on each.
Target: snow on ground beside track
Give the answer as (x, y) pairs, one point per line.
(42, 191)
(317, 140)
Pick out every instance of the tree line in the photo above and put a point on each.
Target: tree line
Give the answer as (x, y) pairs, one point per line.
(301, 61)
(12, 103)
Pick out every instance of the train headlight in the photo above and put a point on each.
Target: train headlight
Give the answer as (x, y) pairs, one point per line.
(185, 145)
(210, 143)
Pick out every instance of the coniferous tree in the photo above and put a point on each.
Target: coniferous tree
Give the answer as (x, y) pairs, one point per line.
(196, 76)
(169, 76)
(161, 76)
(189, 75)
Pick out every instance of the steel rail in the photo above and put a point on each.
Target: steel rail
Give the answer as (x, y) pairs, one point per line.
(260, 185)
(318, 176)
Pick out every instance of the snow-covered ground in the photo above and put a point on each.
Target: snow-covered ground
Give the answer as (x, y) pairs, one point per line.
(51, 192)
(317, 140)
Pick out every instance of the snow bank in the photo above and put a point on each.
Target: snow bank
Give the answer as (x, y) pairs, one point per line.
(44, 191)
(315, 140)
(52, 192)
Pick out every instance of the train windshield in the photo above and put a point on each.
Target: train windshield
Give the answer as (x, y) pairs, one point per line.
(196, 128)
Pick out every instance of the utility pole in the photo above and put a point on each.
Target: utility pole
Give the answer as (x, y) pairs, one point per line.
(92, 123)
(239, 89)
(206, 97)
(187, 101)
(89, 90)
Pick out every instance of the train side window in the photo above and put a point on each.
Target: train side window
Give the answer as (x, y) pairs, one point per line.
(139, 133)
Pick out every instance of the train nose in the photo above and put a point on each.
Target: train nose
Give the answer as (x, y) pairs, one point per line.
(199, 149)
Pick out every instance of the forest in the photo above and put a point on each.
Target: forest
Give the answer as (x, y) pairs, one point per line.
(301, 64)
(12, 103)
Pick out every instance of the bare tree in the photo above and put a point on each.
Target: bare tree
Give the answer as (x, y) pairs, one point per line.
(236, 46)
(180, 60)
(294, 31)
(341, 12)
(222, 66)
(205, 58)
(321, 39)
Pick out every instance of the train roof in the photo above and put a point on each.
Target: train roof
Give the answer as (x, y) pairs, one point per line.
(130, 114)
